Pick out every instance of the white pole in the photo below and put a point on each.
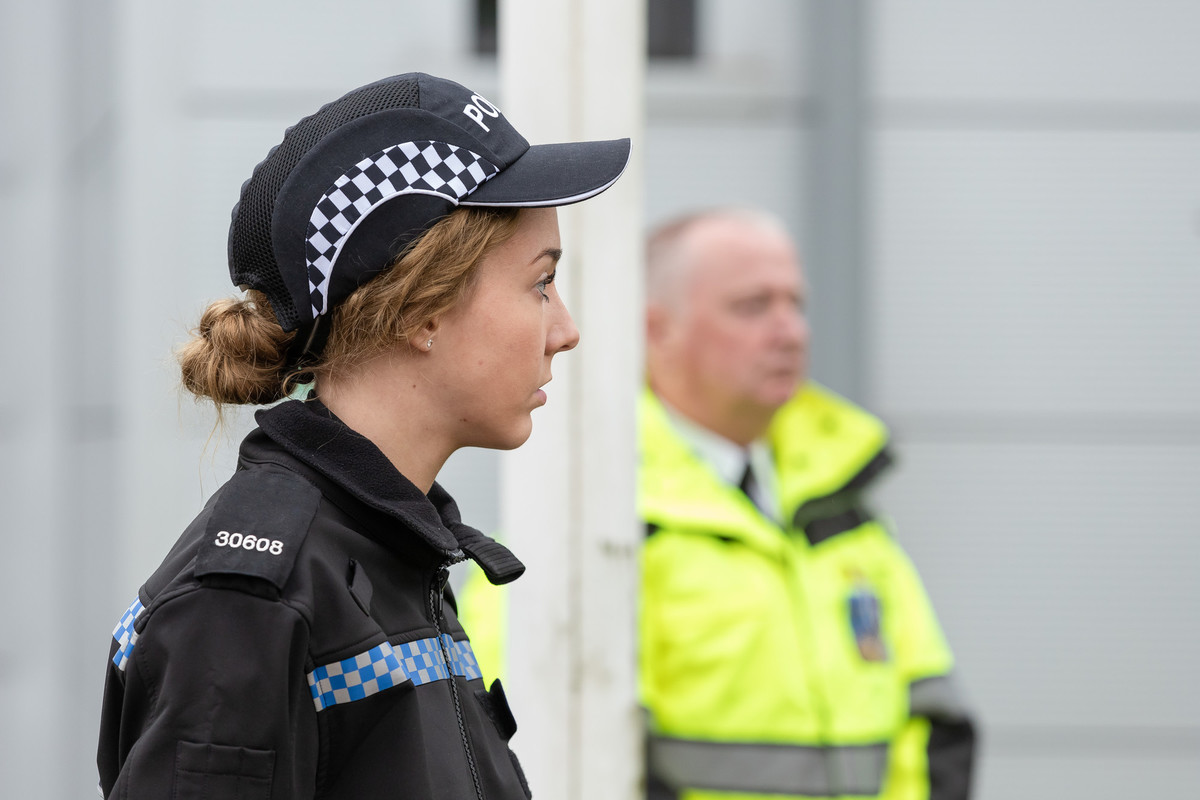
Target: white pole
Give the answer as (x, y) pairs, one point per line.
(574, 69)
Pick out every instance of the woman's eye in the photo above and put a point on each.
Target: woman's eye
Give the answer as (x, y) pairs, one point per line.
(543, 283)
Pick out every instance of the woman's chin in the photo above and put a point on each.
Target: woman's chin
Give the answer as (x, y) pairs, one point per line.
(507, 440)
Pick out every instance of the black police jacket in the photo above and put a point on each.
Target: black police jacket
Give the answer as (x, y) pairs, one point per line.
(299, 640)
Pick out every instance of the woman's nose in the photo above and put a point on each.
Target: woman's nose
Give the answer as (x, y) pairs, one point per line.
(563, 334)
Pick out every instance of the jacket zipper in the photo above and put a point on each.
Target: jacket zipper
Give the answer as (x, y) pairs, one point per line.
(813, 680)
(436, 591)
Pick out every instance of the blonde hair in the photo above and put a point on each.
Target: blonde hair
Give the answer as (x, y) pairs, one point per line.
(238, 354)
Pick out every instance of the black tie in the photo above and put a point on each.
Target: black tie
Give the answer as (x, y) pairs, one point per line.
(749, 487)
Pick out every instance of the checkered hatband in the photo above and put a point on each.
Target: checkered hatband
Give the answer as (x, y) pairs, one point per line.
(387, 665)
(125, 635)
(423, 167)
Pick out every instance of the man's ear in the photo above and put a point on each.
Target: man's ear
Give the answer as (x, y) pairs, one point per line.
(658, 324)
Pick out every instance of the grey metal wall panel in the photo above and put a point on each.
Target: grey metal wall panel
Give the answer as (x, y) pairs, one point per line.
(765, 36)
(1036, 271)
(1107, 776)
(223, 150)
(1034, 341)
(1032, 51)
(33, 664)
(724, 162)
(1064, 575)
(318, 48)
(35, 690)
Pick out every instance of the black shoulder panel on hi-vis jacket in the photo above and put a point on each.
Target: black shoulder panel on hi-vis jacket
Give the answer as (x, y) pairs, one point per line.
(258, 525)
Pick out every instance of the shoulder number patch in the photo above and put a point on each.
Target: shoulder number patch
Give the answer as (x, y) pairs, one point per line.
(248, 541)
(257, 525)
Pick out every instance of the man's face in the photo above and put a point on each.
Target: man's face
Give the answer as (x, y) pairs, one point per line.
(738, 341)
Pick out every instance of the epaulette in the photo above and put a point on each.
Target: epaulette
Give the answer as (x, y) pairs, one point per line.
(257, 526)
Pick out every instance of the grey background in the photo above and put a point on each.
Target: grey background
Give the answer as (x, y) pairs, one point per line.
(999, 205)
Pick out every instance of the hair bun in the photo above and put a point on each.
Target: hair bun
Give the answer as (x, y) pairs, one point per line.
(237, 354)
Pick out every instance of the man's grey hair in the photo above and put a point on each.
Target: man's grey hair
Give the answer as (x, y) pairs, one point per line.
(669, 259)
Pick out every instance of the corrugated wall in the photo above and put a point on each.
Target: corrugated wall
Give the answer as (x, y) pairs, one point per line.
(1034, 337)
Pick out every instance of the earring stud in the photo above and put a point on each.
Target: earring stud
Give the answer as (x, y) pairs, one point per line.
(429, 345)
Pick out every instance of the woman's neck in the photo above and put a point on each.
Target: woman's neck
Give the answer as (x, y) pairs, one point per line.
(383, 404)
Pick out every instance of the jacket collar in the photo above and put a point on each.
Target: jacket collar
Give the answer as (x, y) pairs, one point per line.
(823, 445)
(679, 489)
(312, 434)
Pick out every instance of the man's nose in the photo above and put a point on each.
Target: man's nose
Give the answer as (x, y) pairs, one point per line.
(791, 325)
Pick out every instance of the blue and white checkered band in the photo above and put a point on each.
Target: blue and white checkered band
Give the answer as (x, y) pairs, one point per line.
(125, 635)
(422, 167)
(462, 659)
(387, 665)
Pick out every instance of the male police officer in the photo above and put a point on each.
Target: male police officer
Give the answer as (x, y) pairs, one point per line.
(787, 646)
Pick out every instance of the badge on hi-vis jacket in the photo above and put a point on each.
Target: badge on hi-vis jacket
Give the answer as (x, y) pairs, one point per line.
(257, 526)
(863, 607)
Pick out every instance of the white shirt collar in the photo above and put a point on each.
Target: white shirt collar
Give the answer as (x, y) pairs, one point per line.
(728, 458)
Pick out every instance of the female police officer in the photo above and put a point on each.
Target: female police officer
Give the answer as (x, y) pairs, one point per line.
(398, 250)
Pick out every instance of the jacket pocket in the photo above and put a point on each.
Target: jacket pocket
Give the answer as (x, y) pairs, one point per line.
(495, 706)
(205, 770)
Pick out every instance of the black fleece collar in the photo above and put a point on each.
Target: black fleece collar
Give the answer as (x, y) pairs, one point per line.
(311, 433)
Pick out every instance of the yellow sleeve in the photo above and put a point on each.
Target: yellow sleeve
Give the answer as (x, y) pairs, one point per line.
(921, 650)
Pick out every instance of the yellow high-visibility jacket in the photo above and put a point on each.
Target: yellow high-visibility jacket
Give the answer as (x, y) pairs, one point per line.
(801, 660)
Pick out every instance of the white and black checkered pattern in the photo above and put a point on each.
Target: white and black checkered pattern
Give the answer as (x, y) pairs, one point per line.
(125, 635)
(424, 167)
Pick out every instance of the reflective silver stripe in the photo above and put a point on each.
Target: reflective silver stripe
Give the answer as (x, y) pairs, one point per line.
(937, 698)
(768, 768)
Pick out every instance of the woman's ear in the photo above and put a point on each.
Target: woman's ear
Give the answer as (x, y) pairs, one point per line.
(427, 336)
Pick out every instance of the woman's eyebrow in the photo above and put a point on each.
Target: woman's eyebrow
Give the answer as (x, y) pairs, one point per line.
(553, 253)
